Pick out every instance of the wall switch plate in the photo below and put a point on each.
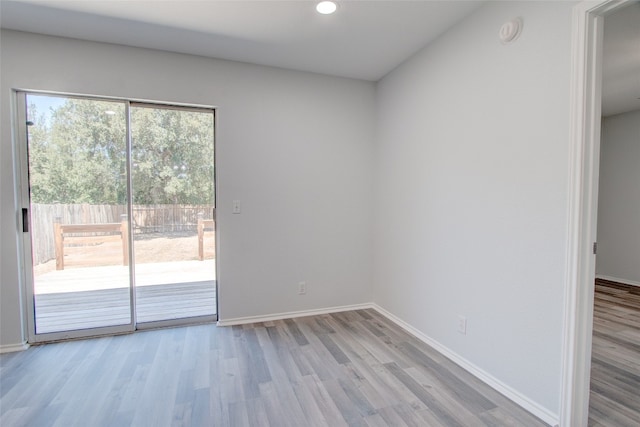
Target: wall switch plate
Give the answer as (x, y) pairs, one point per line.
(302, 288)
(462, 325)
(236, 206)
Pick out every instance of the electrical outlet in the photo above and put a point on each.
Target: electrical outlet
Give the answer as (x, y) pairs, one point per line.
(462, 325)
(236, 207)
(302, 288)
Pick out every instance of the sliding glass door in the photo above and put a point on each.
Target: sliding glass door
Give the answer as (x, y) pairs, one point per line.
(118, 214)
(77, 181)
(173, 206)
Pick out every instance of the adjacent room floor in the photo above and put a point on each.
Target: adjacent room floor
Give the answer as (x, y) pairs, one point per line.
(615, 360)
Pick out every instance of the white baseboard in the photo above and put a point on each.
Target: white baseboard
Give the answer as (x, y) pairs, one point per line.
(10, 348)
(617, 279)
(526, 403)
(292, 314)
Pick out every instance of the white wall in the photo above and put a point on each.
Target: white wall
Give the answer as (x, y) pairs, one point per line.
(472, 172)
(295, 148)
(619, 199)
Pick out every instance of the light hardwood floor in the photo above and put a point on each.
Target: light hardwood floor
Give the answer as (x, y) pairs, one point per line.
(615, 360)
(354, 368)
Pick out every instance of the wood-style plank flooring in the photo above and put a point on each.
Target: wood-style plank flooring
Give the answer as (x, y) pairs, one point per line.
(615, 360)
(353, 368)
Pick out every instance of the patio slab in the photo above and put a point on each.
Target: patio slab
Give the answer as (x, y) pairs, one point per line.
(117, 276)
(91, 297)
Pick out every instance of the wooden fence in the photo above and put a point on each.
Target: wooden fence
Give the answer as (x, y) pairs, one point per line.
(147, 219)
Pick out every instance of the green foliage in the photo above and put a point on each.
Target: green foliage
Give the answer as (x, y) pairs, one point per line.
(77, 154)
(172, 155)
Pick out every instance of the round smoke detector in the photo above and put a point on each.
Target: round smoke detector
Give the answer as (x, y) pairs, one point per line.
(510, 30)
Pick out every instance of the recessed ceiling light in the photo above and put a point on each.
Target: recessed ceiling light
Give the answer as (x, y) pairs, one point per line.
(326, 7)
(110, 112)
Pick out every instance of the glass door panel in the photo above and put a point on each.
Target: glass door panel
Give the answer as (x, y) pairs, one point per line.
(79, 228)
(173, 197)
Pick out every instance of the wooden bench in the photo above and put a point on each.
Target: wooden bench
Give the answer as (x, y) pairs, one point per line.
(89, 234)
(204, 225)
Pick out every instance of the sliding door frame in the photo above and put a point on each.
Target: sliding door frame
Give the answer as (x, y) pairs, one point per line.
(180, 321)
(23, 196)
(26, 260)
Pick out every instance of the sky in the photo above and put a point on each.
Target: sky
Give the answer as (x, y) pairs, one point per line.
(44, 104)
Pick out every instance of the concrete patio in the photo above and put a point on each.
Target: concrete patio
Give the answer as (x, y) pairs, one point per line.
(90, 297)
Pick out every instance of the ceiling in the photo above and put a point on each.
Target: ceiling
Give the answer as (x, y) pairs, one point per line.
(363, 39)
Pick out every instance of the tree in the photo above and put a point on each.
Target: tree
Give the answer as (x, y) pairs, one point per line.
(78, 154)
(172, 153)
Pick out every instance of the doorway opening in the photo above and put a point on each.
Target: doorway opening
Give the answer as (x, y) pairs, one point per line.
(616, 336)
(118, 215)
(586, 89)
